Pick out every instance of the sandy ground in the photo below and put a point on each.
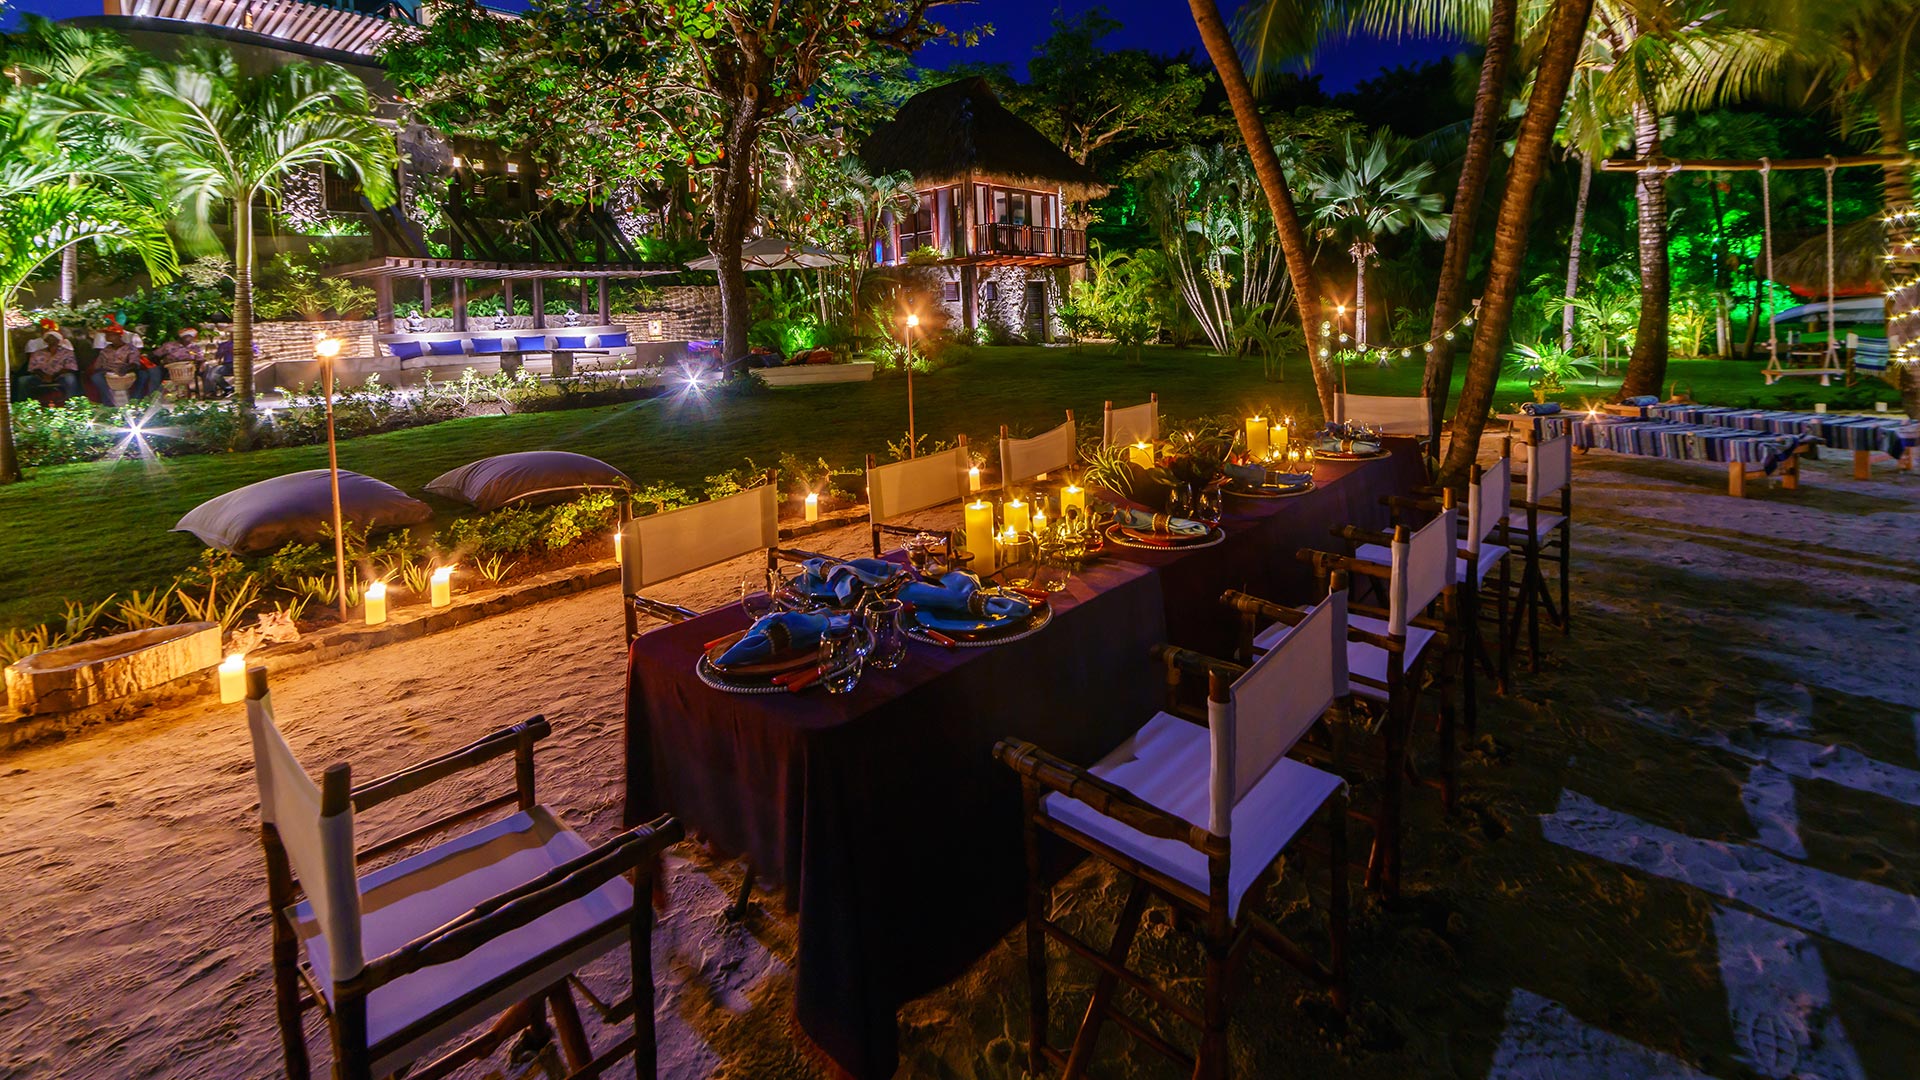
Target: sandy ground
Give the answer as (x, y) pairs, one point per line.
(1724, 754)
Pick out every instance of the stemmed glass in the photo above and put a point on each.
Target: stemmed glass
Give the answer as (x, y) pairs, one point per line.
(757, 597)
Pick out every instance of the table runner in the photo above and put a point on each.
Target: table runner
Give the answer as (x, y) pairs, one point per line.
(883, 814)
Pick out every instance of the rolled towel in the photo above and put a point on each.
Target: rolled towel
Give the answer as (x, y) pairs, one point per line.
(1642, 401)
(773, 635)
(958, 595)
(1540, 408)
(829, 579)
(1141, 521)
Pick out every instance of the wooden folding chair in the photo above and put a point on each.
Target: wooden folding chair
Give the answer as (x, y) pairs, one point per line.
(1133, 424)
(658, 547)
(1052, 451)
(1198, 814)
(1391, 414)
(491, 923)
(1391, 654)
(1546, 536)
(908, 487)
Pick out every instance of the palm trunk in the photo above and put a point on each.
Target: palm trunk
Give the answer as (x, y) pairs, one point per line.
(1573, 250)
(1647, 368)
(1489, 104)
(1565, 31)
(70, 264)
(243, 312)
(1360, 299)
(735, 202)
(1273, 180)
(1896, 187)
(9, 459)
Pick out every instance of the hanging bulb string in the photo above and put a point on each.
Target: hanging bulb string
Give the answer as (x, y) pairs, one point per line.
(1385, 352)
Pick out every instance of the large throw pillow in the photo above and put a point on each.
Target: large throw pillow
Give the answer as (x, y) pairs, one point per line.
(298, 507)
(485, 346)
(573, 341)
(612, 341)
(530, 342)
(533, 476)
(404, 350)
(456, 347)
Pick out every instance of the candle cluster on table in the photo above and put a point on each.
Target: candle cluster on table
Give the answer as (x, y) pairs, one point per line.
(1269, 440)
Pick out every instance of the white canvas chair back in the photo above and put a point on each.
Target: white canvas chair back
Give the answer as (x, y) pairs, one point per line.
(1023, 459)
(1391, 414)
(662, 546)
(1133, 424)
(1273, 704)
(1549, 468)
(1487, 501)
(320, 849)
(1423, 568)
(915, 484)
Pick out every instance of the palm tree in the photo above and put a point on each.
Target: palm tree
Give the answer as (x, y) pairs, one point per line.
(1566, 28)
(1370, 193)
(61, 63)
(1294, 244)
(1589, 133)
(1655, 58)
(43, 215)
(224, 139)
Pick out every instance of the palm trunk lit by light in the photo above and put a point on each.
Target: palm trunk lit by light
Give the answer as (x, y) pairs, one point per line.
(913, 440)
(327, 349)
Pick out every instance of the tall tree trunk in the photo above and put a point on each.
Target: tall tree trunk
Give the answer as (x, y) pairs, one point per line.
(1647, 368)
(1896, 193)
(1565, 31)
(1360, 297)
(69, 275)
(735, 203)
(1273, 180)
(243, 312)
(1489, 105)
(9, 458)
(1573, 250)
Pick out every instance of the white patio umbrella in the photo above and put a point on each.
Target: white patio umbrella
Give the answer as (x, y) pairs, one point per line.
(775, 253)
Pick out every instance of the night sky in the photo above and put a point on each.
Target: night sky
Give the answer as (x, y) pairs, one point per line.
(1163, 26)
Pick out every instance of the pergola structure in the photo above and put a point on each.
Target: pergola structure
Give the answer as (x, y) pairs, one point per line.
(383, 272)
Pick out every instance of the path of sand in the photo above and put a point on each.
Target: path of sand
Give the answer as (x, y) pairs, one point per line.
(133, 941)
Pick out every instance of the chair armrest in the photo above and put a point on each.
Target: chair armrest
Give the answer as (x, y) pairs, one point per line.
(499, 744)
(1042, 769)
(1355, 535)
(515, 908)
(1405, 502)
(1197, 662)
(1328, 562)
(1246, 604)
(798, 555)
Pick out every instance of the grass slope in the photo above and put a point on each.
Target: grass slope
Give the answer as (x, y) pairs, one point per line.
(83, 531)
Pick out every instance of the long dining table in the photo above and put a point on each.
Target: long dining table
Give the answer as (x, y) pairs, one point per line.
(881, 814)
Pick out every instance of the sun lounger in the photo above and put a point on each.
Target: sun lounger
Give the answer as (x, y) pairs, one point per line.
(1864, 435)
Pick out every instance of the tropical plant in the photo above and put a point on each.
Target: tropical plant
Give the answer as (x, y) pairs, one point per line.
(1217, 235)
(294, 285)
(1548, 367)
(41, 215)
(143, 611)
(493, 569)
(785, 318)
(1368, 193)
(225, 138)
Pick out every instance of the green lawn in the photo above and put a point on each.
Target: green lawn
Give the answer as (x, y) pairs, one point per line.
(84, 531)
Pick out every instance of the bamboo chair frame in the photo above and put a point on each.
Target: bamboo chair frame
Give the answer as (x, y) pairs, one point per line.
(633, 853)
(1533, 596)
(1225, 940)
(634, 604)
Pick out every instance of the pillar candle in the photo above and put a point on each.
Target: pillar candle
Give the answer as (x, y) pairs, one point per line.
(1039, 522)
(979, 533)
(1016, 516)
(376, 601)
(813, 506)
(233, 678)
(1257, 441)
(973, 478)
(1071, 499)
(1277, 440)
(1141, 454)
(442, 586)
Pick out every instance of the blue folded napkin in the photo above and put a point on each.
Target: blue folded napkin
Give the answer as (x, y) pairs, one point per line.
(1540, 408)
(827, 579)
(1246, 475)
(1160, 523)
(957, 603)
(1642, 401)
(773, 635)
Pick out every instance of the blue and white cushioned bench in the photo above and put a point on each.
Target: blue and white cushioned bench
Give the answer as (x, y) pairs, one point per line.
(1745, 453)
(610, 340)
(1863, 435)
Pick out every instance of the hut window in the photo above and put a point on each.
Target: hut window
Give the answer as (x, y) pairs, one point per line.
(990, 291)
(950, 292)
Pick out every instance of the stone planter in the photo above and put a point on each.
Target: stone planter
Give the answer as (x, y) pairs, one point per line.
(816, 374)
(91, 672)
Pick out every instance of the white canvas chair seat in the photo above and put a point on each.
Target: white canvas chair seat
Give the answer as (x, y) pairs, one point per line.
(1364, 660)
(1166, 764)
(1463, 570)
(1543, 525)
(423, 892)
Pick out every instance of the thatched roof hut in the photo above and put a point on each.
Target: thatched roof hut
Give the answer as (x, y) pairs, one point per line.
(1859, 262)
(949, 133)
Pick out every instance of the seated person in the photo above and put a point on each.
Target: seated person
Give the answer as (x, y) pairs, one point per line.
(51, 368)
(216, 375)
(183, 349)
(120, 357)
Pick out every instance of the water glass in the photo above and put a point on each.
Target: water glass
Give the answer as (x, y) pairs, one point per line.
(757, 597)
(885, 622)
(840, 658)
(1207, 504)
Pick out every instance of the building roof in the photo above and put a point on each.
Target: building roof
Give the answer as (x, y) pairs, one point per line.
(1859, 261)
(356, 28)
(946, 134)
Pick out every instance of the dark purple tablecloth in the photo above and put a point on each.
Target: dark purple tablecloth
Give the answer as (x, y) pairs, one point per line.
(882, 812)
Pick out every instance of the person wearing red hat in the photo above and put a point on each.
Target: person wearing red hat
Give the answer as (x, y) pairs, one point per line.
(50, 366)
(119, 357)
(185, 348)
